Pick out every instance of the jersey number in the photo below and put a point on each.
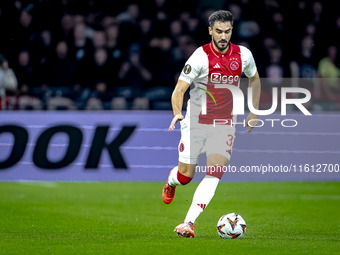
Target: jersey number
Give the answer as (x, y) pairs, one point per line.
(230, 141)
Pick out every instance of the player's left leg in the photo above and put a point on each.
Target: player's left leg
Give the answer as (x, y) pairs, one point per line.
(203, 194)
(218, 150)
(205, 191)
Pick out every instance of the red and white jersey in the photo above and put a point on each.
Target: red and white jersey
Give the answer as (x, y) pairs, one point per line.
(207, 67)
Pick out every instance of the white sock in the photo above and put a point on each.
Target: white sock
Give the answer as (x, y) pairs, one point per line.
(173, 181)
(203, 194)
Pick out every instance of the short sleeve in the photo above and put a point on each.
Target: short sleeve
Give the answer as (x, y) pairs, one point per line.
(248, 62)
(195, 66)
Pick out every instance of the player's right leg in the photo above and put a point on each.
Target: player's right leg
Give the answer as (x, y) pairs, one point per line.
(179, 175)
(188, 158)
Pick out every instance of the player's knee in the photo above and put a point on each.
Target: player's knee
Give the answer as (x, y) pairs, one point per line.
(184, 168)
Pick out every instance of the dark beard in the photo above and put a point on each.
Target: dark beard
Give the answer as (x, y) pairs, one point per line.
(221, 49)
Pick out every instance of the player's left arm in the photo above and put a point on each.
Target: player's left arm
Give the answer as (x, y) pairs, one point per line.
(255, 84)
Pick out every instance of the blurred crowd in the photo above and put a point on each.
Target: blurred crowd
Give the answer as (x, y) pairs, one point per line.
(110, 54)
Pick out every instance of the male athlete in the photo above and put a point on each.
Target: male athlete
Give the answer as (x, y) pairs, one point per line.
(210, 66)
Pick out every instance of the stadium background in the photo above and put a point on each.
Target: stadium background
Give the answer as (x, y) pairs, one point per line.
(107, 54)
(94, 79)
(83, 58)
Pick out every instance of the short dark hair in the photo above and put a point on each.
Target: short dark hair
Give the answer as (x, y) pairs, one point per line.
(221, 16)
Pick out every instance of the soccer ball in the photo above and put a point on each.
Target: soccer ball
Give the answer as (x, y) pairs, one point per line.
(231, 226)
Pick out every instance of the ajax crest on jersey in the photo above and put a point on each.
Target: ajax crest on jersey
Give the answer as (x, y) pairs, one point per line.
(231, 226)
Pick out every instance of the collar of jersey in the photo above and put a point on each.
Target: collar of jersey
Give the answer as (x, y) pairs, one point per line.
(218, 54)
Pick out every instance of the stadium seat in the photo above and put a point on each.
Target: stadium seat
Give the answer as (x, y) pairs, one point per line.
(60, 103)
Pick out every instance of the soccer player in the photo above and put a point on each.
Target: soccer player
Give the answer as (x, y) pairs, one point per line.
(218, 63)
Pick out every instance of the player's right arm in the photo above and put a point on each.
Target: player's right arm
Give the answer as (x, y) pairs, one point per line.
(192, 70)
(177, 102)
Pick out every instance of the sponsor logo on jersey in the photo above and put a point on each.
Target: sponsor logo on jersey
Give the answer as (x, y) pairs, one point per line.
(218, 78)
(187, 69)
(234, 65)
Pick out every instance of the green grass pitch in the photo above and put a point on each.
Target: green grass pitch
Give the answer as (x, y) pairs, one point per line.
(131, 218)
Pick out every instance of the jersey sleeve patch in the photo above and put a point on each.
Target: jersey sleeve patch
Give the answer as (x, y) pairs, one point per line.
(187, 69)
(195, 67)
